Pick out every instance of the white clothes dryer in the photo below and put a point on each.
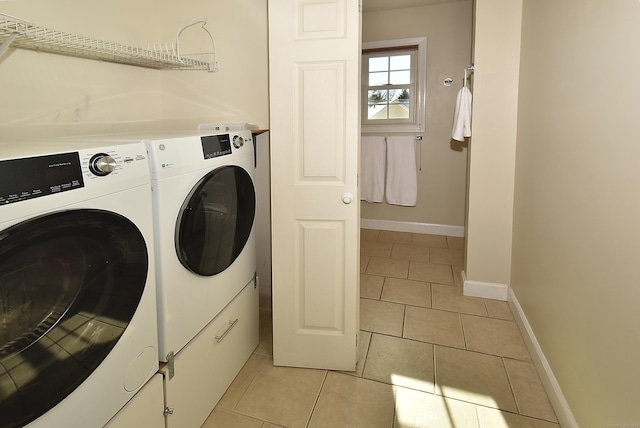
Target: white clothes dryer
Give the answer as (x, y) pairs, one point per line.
(78, 322)
(204, 208)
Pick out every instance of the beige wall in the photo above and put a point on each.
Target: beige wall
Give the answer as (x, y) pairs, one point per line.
(493, 141)
(45, 94)
(239, 92)
(576, 239)
(442, 181)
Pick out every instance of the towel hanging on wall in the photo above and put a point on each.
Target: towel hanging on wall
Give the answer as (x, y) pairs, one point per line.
(402, 174)
(372, 167)
(462, 115)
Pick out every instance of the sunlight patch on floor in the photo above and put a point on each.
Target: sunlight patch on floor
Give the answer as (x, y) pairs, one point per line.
(416, 409)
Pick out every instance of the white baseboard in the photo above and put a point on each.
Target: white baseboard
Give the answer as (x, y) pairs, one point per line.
(549, 381)
(402, 226)
(486, 290)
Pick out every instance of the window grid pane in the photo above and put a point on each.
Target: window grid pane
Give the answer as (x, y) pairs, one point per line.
(400, 77)
(390, 84)
(399, 105)
(379, 63)
(389, 104)
(378, 79)
(400, 62)
(377, 105)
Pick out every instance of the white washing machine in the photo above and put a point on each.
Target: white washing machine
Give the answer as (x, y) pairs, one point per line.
(78, 322)
(204, 208)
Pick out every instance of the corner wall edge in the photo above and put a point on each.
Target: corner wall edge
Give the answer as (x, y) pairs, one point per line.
(486, 290)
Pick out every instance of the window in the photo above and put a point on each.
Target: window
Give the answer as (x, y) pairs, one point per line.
(394, 85)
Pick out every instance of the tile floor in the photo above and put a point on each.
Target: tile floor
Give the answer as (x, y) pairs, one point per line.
(430, 357)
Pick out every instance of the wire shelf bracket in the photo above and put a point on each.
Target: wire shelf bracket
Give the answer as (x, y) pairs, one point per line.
(23, 34)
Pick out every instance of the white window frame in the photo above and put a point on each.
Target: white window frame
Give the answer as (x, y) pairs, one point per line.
(418, 95)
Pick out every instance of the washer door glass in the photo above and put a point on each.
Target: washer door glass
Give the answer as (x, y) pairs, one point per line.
(216, 220)
(70, 282)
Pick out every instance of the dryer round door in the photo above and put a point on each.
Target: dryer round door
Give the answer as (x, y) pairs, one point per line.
(70, 283)
(215, 220)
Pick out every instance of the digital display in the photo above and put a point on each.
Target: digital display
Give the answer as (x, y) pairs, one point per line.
(28, 178)
(214, 146)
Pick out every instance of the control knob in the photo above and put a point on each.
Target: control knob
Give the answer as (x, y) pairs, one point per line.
(238, 141)
(102, 164)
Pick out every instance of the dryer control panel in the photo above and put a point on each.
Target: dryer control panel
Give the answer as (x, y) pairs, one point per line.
(217, 145)
(214, 146)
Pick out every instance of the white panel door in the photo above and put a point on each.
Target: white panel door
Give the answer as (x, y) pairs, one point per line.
(314, 56)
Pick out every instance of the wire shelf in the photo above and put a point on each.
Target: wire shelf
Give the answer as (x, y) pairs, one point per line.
(26, 35)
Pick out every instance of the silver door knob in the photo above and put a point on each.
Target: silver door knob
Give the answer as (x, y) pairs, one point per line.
(347, 198)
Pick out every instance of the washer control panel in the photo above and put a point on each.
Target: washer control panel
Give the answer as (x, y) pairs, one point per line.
(102, 164)
(33, 177)
(98, 169)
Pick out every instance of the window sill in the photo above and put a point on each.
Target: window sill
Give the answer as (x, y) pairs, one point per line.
(368, 129)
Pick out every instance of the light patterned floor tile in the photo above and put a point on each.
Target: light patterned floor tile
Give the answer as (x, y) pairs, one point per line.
(364, 262)
(433, 326)
(495, 337)
(455, 242)
(220, 418)
(369, 234)
(430, 272)
(371, 286)
(401, 362)
(410, 252)
(530, 395)
(473, 377)
(282, 395)
(243, 379)
(457, 276)
(446, 256)
(450, 298)
(432, 241)
(376, 248)
(348, 401)
(388, 267)
(381, 317)
(265, 345)
(499, 309)
(492, 418)
(415, 409)
(416, 327)
(364, 340)
(417, 293)
(391, 236)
